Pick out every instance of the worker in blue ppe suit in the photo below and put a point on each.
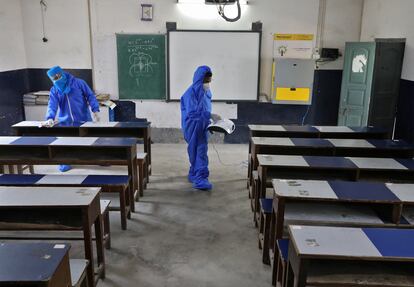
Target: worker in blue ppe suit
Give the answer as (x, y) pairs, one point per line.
(195, 118)
(73, 97)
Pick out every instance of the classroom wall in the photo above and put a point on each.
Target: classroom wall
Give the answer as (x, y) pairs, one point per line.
(68, 32)
(394, 19)
(342, 24)
(298, 16)
(112, 16)
(68, 45)
(12, 64)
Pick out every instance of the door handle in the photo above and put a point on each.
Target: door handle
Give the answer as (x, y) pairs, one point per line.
(344, 111)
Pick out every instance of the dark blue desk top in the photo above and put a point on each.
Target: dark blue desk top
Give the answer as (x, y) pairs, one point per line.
(67, 141)
(375, 191)
(335, 162)
(345, 190)
(36, 124)
(392, 242)
(332, 143)
(316, 129)
(326, 161)
(311, 142)
(305, 129)
(30, 262)
(391, 144)
(68, 179)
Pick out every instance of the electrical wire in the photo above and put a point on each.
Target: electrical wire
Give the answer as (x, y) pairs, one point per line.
(222, 163)
(306, 114)
(43, 8)
(221, 7)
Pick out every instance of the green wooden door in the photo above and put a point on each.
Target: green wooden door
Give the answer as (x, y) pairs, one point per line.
(141, 66)
(356, 84)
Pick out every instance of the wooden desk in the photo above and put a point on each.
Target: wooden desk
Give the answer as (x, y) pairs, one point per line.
(295, 131)
(342, 256)
(339, 203)
(72, 150)
(140, 130)
(34, 264)
(324, 168)
(64, 209)
(120, 184)
(327, 147)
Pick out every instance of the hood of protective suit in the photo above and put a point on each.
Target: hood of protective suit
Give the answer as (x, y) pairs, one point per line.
(63, 84)
(198, 80)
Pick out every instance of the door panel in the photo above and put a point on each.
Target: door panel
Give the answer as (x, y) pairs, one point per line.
(386, 85)
(356, 84)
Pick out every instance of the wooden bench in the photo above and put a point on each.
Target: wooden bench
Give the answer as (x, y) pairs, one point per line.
(40, 264)
(72, 150)
(339, 256)
(137, 130)
(337, 203)
(41, 209)
(338, 132)
(120, 184)
(279, 268)
(78, 272)
(338, 168)
(143, 173)
(328, 147)
(264, 225)
(252, 191)
(106, 224)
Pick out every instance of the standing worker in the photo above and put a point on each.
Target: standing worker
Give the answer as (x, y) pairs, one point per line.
(73, 97)
(195, 118)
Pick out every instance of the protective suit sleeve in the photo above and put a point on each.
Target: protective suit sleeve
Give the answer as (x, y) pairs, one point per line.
(52, 105)
(90, 96)
(183, 114)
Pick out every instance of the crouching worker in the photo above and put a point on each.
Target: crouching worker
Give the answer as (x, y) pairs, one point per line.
(73, 97)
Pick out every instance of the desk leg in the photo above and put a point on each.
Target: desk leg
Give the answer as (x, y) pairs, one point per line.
(131, 194)
(279, 219)
(297, 269)
(249, 164)
(135, 178)
(141, 178)
(260, 189)
(132, 170)
(87, 238)
(123, 204)
(100, 246)
(147, 149)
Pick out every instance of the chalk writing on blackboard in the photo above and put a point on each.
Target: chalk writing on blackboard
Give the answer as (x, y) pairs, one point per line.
(141, 63)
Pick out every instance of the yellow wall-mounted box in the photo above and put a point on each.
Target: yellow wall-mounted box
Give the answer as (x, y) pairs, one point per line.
(293, 94)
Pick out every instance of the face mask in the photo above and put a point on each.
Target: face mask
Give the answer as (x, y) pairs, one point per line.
(206, 86)
(61, 84)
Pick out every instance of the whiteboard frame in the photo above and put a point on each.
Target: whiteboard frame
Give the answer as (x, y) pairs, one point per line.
(220, 31)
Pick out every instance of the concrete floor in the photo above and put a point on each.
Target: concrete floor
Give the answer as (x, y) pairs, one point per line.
(183, 237)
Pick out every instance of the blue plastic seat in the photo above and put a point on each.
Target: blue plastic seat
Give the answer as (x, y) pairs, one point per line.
(283, 245)
(266, 205)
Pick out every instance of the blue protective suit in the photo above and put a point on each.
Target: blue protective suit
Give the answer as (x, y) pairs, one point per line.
(73, 97)
(195, 117)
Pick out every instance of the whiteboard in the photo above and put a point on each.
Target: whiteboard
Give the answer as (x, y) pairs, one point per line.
(232, 56)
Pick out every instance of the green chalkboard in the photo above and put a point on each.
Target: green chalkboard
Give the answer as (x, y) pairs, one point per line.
(141, 66)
